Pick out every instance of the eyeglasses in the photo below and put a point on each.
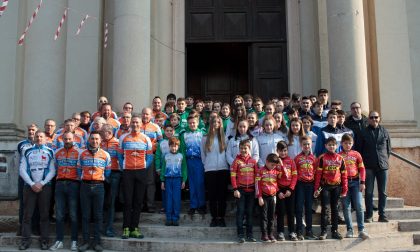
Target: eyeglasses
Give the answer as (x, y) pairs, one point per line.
(128, 107)
(76, 119)
(373, 117)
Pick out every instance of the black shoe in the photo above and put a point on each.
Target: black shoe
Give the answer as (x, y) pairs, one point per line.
(84, 247)
(168, 223)
(213, 222)
(24, 245)
(19, 231)
(222, 223)
(368, 220)
(52, 220)
(336, 235)
(323, 235)
(375, 208)
(191, 211)
(310, 236)
(383, 218)
(341, 220)
(98, 247)
(202, 210)
(162, 211)
(241, 239)
(175, 223)
(44, 245)
(151, 210)
(251, 239)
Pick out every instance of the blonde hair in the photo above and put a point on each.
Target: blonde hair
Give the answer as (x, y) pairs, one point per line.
(211, 134)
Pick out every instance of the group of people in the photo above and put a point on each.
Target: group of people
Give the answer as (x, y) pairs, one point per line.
(278, 155)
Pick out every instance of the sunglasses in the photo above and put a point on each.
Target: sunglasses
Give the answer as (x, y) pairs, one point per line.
(373, 117)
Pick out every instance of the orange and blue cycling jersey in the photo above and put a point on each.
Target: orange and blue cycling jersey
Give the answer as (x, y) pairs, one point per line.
(49, 139)
(121, 131)
(77, 140)
(78, 131)
(98, 113)
(111, 146)
(154, 132)
(135, 151)
(94, 165)
(66, 163)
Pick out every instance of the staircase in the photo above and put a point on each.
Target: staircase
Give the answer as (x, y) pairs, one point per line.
(402, 233)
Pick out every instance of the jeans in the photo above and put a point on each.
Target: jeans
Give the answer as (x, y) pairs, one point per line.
(111, 195)
(92, 198)
(267, 214)
(353, 195)
(304, 198)
(66, 196)
(134, 187)
(173, 198)
(381, 179)
(244, 207)
(330, 194)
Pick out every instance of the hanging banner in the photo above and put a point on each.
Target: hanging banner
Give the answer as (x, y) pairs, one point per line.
(3, 6)
(81, 24)
(22, 38)
(57, 32)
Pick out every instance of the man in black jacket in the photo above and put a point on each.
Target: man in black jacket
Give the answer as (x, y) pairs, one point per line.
(356, 122)
(375, 147)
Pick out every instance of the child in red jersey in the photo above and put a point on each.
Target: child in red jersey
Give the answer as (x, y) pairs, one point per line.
(266, 191)
(331, 174)
(305, 166)
(356, 176)
(286, 195)
(242, 176)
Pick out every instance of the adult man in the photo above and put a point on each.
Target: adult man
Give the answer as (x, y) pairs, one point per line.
(305, 106)
(154, 132)
(106, 113)
(135, 156)
(21, 147)
(94, 164)
(336, 105)
(323, 100)
(69, 126)
(66, 190)
(36, 169)
(156, 106)
(125, 125)
(76, 117)
(101, 101)
(49, 127)
(375, 147)
(85, 120)
(356, 122)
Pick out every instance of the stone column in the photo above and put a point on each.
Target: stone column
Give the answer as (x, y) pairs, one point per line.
(131, 53)
(293, 46)
(178, 44)
(347, 52)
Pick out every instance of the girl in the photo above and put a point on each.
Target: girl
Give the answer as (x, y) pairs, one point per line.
(269, 109)
(242, 133)
(254, 128)
(199, 106)
(281, 124)
(286, 195)
(217, 106)
(307, 124)
(295, 132)
(238, 101)
(268, 139)
(240, 113)
(216, 170)
(225, 114)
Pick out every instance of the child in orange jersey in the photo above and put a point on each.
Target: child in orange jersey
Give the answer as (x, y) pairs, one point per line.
(242, 176)
(286, 196)
(305, 166)
(356, 176)
(331, 174)
(266, 191)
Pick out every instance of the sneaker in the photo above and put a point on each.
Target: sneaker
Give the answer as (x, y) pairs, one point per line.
(368, 220)
(323, 235)
(73, 246)
(126, 233)
(191, 211)
(364, 235)
(98, 247)
(44, 245)
(24, 245)
(349, 234)
(310, 236)
(57, 245)
(336, 235)
(251, 239)
(213, 222)
(202, 210)
(271, 237)
(280, 236)
(383, 218)
(84, 247)
(300, 237)
(136, 234)
(222, 223)
(264, 238)
(109, 233)
(175, 223)
(150, 210)
(168, 223)
(241, 239)
(293, 236)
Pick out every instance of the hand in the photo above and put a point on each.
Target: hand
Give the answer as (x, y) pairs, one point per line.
(287, 194)
(260, 201)
(281, 162)
(183, 185)
(281, 195)
(236, 194)
(316, 194)
(162, 185)
(362, 187)
(35, 188)
(343, 195)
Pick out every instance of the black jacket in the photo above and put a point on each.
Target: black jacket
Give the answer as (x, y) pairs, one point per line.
(356, 127)
(375, 151)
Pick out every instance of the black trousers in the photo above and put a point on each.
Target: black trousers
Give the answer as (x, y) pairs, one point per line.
(134, 187)
(286, 206)
(267, 214)
(330, 194)
(216, 185)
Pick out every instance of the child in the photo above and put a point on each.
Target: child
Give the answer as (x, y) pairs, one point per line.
(217, 106)
(173, 177)
(233, 147)
(295, 132)
(181, 106)
(190, 102)
(269, 109)
(191, 148)
(281, 124)
(160, 119)
(307, 123)
(356, 176)
(199, 106)
(161, 150)
(266, 190)
(258, 107)
(174, 121)
(268, 139)
(248, 103)
(331, 175)
(254, 127)
(286, 197)
(232, 125)
(305, 166)
(242, 176)
(225, 115)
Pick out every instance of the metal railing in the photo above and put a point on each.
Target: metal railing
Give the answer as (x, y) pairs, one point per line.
(405, 160)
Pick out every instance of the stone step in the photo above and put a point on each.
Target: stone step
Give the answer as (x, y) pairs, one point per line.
(409, 225)
(405, 213)
(380, 242)
(416, 238)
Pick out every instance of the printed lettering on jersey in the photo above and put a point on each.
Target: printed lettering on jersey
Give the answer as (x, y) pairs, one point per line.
(135, 145)
(93, 162)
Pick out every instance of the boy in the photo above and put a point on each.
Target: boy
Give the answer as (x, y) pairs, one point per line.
(181, 106)
(258, 108)
(160, 119)
(191, 149)
(190, 103)
(356, 176)
(305, 166)
(266, 191)
(242, 176)
(248, 103)
(173, 177)
(174, 122)
(331, 130)
(171, 98)
(331, 175)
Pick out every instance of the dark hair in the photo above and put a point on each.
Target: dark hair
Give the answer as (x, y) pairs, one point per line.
(305, 137)
(341, 112)
(307, 117)
(94, 132)
(180, 99)
(173, 141)
(171, 96)
(159, 115)
(317, 103)
(207, 99)
(248, 133)
(290, 133)
(285, 95)
(247, 97)
(273, 158)
(346, 137)
(246, 142)
(331, 140)
(175, 115)
(322, 91)
(281, 145)
(332, 112)
(282, 127)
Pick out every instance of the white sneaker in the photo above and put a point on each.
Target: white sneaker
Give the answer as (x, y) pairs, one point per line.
(364, 235)
(349, 234)
(73, 246)
(57, 245)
